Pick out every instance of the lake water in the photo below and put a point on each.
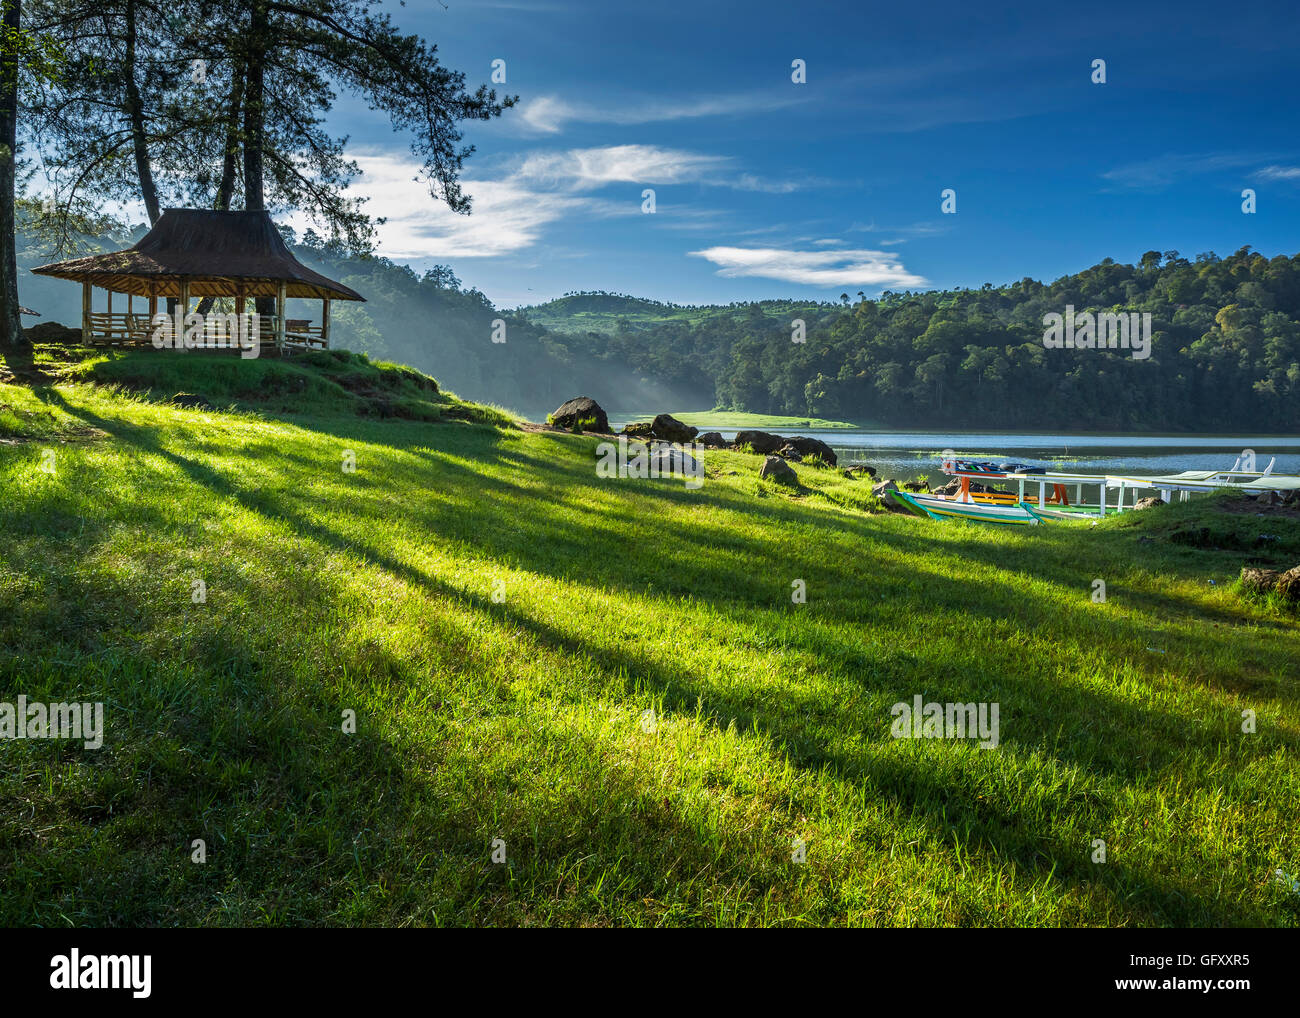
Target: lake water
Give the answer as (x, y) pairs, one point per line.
(907, 454)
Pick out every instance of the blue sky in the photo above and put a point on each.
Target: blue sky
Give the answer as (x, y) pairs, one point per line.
(767, 188)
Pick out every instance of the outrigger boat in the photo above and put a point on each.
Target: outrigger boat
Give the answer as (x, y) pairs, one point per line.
(940, 507)
(1013, 508)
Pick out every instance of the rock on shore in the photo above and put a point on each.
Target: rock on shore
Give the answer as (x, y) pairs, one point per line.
(580, 410)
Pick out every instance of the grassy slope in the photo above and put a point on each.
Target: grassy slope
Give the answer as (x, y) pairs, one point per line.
(523, 718)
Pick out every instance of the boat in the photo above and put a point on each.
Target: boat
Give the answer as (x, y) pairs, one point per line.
(939, 507)
(1053, 501)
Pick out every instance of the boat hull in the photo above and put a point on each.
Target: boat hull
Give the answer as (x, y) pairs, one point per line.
(950, 509)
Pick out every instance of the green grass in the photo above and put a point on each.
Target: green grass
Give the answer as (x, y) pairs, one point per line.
(715, 420)
(501, 620)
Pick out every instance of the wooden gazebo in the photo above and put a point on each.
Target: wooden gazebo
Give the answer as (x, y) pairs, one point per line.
(196, 253)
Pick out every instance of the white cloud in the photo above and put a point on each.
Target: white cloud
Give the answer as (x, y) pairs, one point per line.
(545, 114)
(1278, 173)
(815, 268)
(1162, 171)
(508, 215)
(512, 210)
(549, 114)
(749, 182)
(586, 168)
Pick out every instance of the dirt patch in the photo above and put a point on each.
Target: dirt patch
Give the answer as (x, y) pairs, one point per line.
(25, 373)
(1247, 506)
(551, 429)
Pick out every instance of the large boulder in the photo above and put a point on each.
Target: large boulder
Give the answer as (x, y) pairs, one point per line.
(1259, 581)
(1264, 581)
(882, 490)
(644, 429)
(1288, 584)
(670, 461)
(814, 447)
(778, 470)
(1149, 503)
(669, 429)
(760, 441)
(581, 410)
(190, 401)
(711, 440)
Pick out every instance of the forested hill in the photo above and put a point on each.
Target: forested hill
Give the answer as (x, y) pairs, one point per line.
(1225, 352)
(1225, 348)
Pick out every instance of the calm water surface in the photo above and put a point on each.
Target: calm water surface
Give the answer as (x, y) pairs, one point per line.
(905, 454)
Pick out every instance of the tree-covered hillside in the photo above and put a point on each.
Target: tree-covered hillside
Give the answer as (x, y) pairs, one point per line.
(1225, 350)
(429, 321)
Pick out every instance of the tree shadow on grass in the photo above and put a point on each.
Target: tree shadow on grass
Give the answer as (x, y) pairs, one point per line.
(941, 807)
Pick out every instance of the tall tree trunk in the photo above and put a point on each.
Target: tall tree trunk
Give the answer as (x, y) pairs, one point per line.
(226, 190)
(258, 42)
(135, 110)
(11, 330)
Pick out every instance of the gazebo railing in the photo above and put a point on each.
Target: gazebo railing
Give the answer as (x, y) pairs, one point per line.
(124, 328)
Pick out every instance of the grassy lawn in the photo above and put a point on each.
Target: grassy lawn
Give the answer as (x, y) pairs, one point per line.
(502, 621)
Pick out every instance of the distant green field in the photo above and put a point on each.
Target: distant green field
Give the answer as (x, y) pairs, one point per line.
(605, 313)
(608, 684)
(707, 420)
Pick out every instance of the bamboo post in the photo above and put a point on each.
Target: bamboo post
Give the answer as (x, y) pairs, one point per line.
(85, 313)
(279, 318)
(325, 323)
(185, 313)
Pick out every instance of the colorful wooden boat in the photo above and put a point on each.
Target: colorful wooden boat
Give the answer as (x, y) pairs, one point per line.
(938, 507)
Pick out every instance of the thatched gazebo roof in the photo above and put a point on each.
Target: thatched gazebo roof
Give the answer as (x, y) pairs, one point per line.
(220, 254)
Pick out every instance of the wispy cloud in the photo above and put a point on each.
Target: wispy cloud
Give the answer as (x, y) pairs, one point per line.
(1278, 173)
(508, 216)
(901, 234)
(814, 268)
(1162, 171)
(585, 169)
(588, 168)
(512, 210)
(550, 114)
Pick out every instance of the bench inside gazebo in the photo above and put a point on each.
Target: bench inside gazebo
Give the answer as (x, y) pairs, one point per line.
(191, 254)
